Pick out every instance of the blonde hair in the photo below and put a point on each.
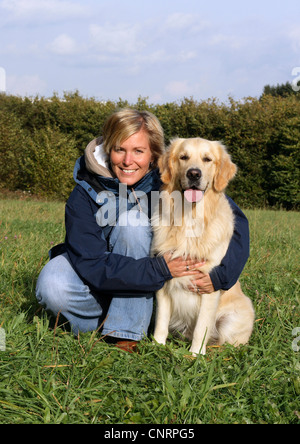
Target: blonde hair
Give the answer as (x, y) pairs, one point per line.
(123, 124)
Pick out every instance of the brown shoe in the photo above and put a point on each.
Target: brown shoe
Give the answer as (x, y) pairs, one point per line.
(128, 346)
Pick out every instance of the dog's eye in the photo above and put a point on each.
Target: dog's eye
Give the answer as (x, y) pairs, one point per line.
(206, 159)
(184, 157)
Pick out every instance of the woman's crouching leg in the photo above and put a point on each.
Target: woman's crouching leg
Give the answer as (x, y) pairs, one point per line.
(60, 290)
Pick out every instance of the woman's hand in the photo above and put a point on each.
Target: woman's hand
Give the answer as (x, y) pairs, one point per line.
(183, 266)
(202, 284)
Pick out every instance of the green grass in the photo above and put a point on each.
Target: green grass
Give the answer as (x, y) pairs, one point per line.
(48, 376)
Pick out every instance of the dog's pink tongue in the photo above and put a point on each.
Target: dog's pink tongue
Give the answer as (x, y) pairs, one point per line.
(193, 195)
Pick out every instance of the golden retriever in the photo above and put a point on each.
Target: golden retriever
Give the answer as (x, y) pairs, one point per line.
(198, 225)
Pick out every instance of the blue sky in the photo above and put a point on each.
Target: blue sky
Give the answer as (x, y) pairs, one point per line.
(163, 49)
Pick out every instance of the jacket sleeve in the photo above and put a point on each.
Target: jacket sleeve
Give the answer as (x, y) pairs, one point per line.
(101, 270)
(227, 273)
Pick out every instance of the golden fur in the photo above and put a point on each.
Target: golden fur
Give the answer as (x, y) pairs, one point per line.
(204, 233)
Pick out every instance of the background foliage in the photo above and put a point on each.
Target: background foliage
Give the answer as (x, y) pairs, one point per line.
(40, 139)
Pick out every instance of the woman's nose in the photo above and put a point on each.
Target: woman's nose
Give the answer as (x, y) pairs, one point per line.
(127, 159)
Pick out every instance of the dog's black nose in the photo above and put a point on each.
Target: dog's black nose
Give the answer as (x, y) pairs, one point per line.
(194, 174)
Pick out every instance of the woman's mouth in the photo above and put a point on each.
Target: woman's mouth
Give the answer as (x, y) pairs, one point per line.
(128, 171)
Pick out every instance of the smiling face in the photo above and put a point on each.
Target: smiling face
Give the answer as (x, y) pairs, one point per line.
(131, 160)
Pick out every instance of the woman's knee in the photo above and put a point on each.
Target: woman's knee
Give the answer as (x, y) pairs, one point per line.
(52, 285)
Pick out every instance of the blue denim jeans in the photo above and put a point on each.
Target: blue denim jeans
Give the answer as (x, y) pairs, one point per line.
(60, 289)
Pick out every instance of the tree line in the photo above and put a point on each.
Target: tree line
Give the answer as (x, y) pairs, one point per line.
(40, 139)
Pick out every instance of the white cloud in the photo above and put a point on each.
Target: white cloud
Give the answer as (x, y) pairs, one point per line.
(178, 88)
(155, 98)
(184, 21)
(35, 10)
(227, 41)
(185, 56)
(179, 20)
(27, 85)
(64, 45)
(294, 36)
(115, 39)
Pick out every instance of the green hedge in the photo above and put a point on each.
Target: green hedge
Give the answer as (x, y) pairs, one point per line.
(41, 138)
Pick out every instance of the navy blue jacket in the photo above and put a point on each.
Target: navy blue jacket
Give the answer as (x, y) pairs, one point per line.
(87, 246)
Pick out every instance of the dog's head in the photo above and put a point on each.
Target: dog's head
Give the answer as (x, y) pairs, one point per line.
(195, 166)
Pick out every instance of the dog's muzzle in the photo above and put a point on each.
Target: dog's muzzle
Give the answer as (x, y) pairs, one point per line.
(194, 174)
(192, 191)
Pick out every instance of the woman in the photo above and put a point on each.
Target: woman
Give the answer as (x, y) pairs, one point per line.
(103, 272)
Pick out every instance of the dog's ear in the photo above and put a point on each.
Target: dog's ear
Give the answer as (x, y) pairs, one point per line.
(166, 162)
(226, 169)
(163, 165)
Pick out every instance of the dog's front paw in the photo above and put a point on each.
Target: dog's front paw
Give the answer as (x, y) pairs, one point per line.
(160, 339)
(196, 352)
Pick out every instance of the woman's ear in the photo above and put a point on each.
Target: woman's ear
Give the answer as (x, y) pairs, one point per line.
(226, 169)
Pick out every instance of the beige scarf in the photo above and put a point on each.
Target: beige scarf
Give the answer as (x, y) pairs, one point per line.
(90, 160)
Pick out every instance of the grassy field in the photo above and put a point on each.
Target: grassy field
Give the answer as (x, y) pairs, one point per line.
(48, 376)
